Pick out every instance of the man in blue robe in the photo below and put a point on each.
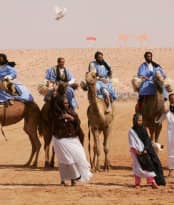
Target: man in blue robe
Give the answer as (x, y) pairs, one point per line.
(8, 73)
(60, 73)
(146, 73)
(104, 86)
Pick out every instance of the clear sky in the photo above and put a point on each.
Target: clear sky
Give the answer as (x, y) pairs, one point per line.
(31, 24)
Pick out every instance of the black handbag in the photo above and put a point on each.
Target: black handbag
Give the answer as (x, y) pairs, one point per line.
(145, 161)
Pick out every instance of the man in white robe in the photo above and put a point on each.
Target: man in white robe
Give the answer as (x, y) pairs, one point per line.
(170, 134)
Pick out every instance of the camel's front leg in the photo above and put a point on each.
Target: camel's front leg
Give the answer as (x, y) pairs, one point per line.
(33, 148)
(47, 150)
(106, 143)
(97, 150)
(37, 146)
(158, 128)
(52, 158)
(47, 141)
(152, 133)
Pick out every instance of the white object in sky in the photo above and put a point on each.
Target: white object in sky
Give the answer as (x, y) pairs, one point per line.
(60, 12)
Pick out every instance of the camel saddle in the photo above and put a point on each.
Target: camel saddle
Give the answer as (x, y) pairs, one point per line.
(3, 116)
(3, 111)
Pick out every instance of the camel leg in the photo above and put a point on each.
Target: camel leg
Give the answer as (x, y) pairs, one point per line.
(33, 150)
(47, 150)
(152, 133)
(34, 141)
(47, 141)
(93, 162)
(106, 148)
(52, 158)
(37, 146)
(158, 128)
(97, 148)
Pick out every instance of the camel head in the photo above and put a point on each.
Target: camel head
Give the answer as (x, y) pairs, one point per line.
(158, 81)
(169, 84)
(61, 88)
(136, 83)
(91, 78)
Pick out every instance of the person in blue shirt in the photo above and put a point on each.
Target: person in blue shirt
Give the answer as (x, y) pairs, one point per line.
(104, 86)
(14, 91)
(146, 73)
(60, 73)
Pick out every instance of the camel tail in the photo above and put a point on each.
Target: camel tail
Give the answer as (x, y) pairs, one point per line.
(89, 143)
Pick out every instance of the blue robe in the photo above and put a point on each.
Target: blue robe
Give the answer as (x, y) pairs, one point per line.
(7, 70)
(147, 87)
(51, 76)
(24, 96)
(100, 86)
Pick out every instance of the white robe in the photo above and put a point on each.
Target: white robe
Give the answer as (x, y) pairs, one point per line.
(170, 139)
(72, 159)
(136, 143)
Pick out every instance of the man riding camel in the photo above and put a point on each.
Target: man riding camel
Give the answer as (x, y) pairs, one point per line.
(60, 73)
(104, 74)
(9, 89)
(144, 83)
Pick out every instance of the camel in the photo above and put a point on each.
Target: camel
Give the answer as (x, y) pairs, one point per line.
(30, 112)
(99, 122)
(153, 108)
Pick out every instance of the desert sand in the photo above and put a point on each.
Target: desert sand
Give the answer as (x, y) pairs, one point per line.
(25, 186)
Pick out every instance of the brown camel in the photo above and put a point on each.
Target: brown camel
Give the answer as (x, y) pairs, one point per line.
(99, 122)
(153, 108)
(30, 112)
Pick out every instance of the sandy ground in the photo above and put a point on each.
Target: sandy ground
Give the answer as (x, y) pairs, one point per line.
(25, 186)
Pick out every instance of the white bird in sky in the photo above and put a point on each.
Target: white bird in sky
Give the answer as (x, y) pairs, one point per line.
(60, 12)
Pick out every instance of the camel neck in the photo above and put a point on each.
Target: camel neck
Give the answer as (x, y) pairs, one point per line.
(92, 96)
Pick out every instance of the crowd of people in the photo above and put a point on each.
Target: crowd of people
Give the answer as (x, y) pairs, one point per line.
(66, 129)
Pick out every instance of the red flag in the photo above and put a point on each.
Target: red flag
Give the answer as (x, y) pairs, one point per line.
(91, 38)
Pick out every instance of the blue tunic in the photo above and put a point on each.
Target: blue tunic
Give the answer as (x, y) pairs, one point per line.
(51, 76)
(25, 95)
(102, 71)
(7, 70)
(147, 87)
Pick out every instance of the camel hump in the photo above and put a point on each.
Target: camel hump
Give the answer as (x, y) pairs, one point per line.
(11, 103)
